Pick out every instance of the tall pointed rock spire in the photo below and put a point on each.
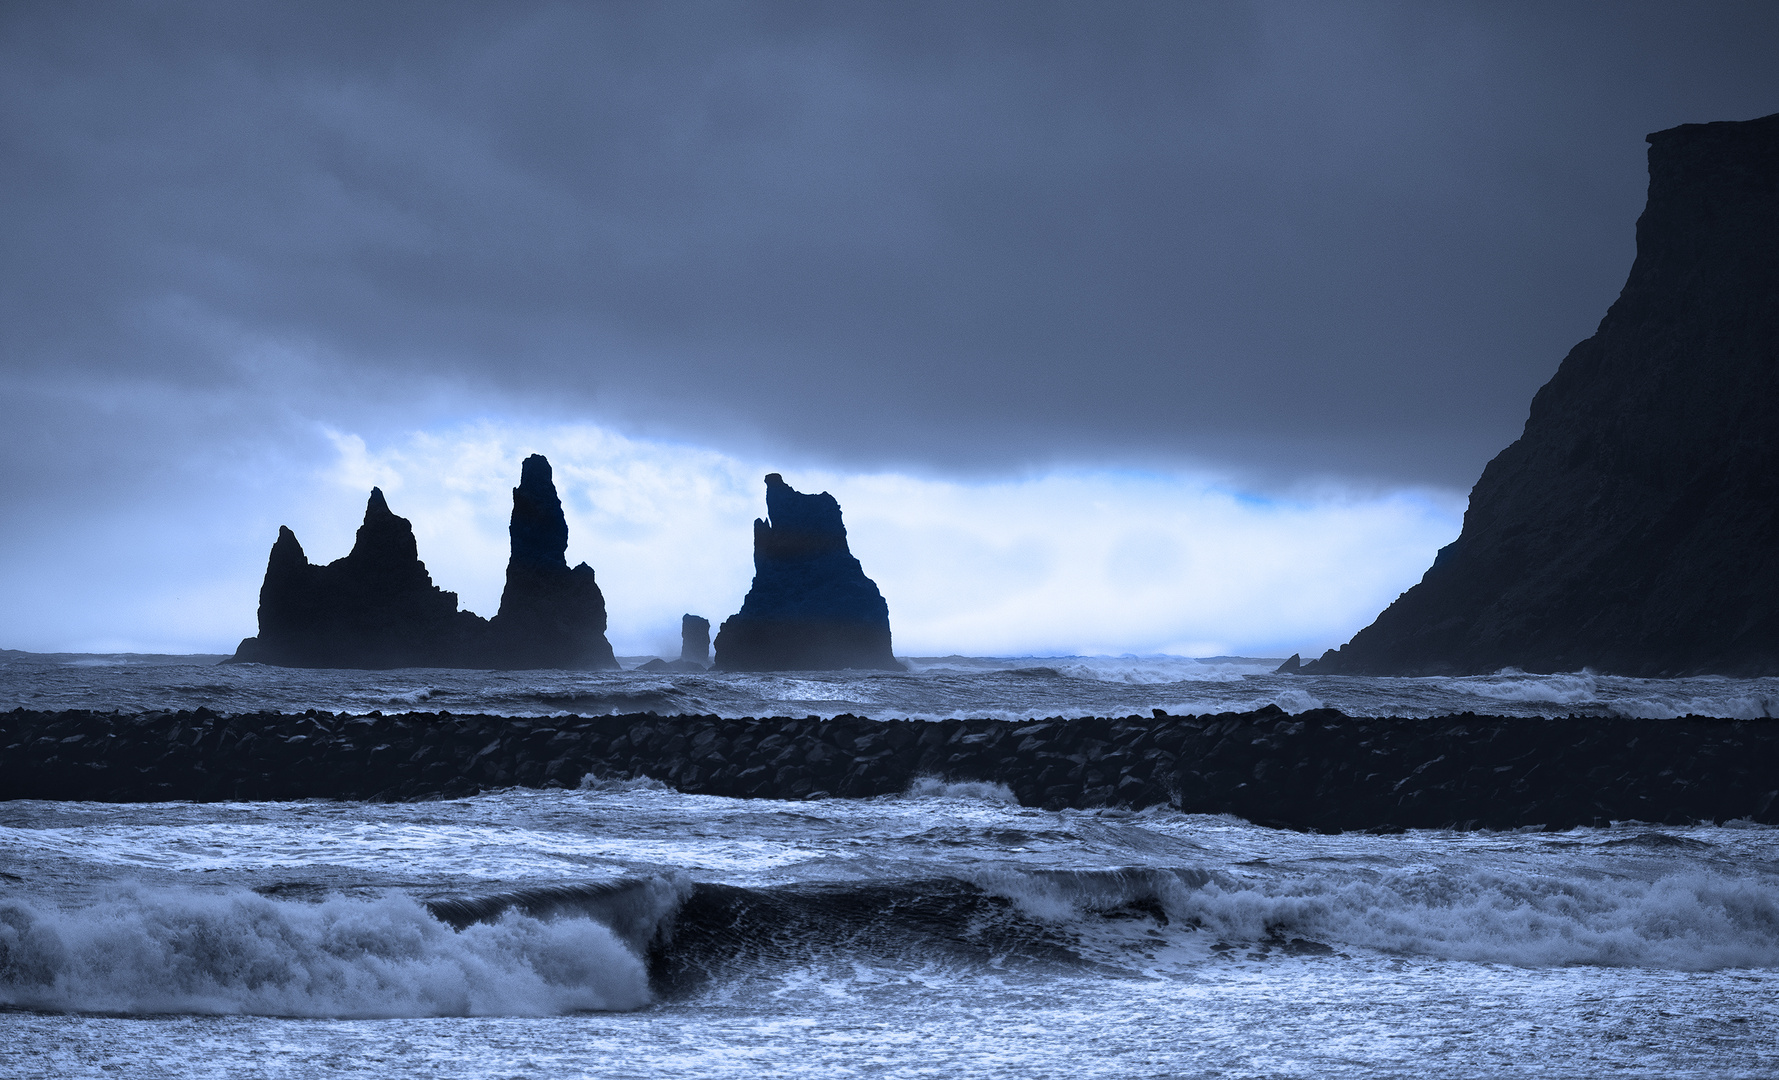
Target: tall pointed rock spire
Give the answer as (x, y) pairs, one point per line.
(550, 616)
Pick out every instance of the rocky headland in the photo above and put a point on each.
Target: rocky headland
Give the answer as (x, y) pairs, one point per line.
(1318, 770)
(1634, 526)
(550, 616)
(378, 607)
(811, 607)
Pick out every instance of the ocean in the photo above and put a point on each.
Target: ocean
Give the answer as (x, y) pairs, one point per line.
(621, 929)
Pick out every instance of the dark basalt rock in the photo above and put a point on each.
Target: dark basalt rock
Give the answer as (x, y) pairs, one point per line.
(694, 640)
(378, 606)
(1316, 770)
(1634, 527)
(694, 648)
(811, 607)
(375, 608)
(550, 616)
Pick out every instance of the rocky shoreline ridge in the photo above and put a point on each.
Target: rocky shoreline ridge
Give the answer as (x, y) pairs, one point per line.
(1318, 770)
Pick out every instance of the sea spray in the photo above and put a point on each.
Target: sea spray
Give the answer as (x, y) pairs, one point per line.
(932, 787)
(147, 950)
(1687, 920)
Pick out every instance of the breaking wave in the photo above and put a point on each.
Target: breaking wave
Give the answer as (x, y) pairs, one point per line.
(1510, 685)
(179, 951)
(620, 945)
(931, 787)
(1686, 921)
(1111, 920)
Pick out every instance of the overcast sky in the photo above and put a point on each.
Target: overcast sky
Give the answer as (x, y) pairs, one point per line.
(1283, 259)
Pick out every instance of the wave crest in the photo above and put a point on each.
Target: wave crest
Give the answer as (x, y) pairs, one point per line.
(176, 951)
(931, 787)
(1683, 921)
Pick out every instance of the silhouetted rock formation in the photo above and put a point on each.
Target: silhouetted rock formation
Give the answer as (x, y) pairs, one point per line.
(378, 607)
(811, 607)
(694, 648)
(694, 640)
(1634, 527)
(550, 616)
(375, 608)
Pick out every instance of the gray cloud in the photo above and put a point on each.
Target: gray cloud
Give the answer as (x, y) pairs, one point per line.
(1282, 237)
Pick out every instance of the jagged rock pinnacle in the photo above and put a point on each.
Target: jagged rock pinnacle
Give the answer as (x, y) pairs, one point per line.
(550, 616)
(378, 606)
(811, 606)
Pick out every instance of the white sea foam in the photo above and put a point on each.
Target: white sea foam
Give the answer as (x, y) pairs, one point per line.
(1148, 671)
(1582, 688)
(1735, 707)
(931, 787)
(624, 784)
(1691, 920)
(182, 951)
(1130, 670)
(1296, 701)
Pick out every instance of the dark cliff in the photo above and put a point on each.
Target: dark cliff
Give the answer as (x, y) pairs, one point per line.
(378, 607)
(375, 608)
(1634, 526)
(811, 607)
(550, 616)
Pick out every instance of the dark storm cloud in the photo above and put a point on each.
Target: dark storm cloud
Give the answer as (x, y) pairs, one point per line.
(1325, 238)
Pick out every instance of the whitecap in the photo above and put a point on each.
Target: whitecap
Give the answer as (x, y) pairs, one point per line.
(931, 787)
(182, 951)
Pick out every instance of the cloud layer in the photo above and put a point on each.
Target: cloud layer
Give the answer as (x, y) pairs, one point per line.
(1066, 562)
(1352, 238)
(1033, 248)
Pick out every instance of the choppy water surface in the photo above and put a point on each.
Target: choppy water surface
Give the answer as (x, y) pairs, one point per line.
(933, 688)
(947, 932)
(627, 930)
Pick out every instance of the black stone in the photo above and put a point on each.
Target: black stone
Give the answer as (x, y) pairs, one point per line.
(550, 616)
(1634, 526)
(375, 608)
(811, 607)
(1319, 770)
(694, 635)
(378, 607)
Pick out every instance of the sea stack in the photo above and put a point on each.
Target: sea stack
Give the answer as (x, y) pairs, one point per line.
(378, 607)
(1634, 527)
(375, 608)
(550, 616)
(694, 640)
(811, 607)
